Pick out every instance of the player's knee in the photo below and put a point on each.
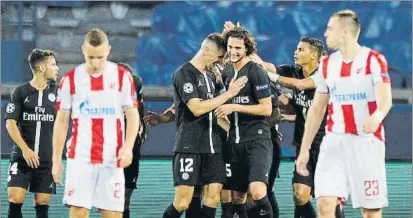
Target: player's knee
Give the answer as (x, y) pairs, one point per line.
(42, 199)
(372, 213)
(238, 197)
(301, 197)
(326, 206)
(16, 197)
(225, 196)
(258, 190)
(78, 212)
(182, 204)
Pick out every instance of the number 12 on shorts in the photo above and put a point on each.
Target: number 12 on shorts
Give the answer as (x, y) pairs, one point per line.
(186, 165)
(371, 188)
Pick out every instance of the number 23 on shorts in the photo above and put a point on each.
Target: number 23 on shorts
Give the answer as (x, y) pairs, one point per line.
(371, 188)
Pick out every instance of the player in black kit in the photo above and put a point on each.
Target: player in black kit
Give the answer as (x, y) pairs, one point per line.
(249, 142)
(30, 115)
(197, 148)
(132, 171)
(303, 77)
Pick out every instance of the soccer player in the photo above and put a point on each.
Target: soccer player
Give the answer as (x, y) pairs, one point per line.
(96, 95)
(249, 143)
(29, 117)
(303, 79)
(355, 87)
(197, 147)
(132, 171)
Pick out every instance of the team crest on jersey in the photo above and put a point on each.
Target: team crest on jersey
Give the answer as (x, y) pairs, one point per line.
(10, 108)
(188, 88)
(185, 176)
(52, 97)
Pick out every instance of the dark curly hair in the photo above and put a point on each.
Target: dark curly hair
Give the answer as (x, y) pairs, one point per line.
(241, 33)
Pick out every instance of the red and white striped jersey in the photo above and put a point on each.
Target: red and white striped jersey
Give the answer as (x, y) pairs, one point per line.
(97, 104)
(351, 86)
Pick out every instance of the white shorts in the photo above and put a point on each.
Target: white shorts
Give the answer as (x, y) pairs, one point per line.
(94, 185)
(350, 164)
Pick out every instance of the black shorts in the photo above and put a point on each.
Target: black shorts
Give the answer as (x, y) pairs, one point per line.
(40, 180)
(198, 169)
(311, 166)
(132, 171)
(248, 162)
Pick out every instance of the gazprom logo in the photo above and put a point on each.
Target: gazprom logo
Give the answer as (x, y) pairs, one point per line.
(337, 96)
(86, 110)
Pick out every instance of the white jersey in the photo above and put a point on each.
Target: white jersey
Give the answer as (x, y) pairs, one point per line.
(351, 86)
(97, 104)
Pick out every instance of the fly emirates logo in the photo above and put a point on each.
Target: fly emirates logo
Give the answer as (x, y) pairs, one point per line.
(38, 115)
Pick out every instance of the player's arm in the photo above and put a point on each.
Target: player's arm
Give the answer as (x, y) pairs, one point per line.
(382, 89)
(153, 118)
(224, 123)
(283, 76)
(60, 128)
(188, 92)
(130, 106)
(132, 126)
(13, 112)
(315, 116)
(263, 108)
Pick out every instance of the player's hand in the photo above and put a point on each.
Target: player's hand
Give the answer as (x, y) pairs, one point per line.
(236, 85)
(283, 99)
(228, 25)
(224, 110)
(125, 156)
(152, 118)
(302, 162)
(31, 158)
(370, 124)
(57, 172)
(287, 118)
(255, 58)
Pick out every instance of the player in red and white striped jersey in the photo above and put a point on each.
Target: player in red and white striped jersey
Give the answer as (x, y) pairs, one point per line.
(355, 87)
(95, 95)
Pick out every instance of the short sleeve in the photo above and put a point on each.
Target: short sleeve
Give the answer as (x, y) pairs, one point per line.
(64, 96)
(185, 86)
(321, 84)
(13, 108)
(260, 82)
(285, 70)
(128, 92)
(379, 68)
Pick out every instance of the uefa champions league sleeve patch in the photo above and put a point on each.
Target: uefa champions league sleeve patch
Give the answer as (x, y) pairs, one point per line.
(10, 108)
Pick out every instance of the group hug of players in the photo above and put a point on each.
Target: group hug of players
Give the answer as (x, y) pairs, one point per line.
(228, 103)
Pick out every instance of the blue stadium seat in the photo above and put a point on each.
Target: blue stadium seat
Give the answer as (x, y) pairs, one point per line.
(277, 27)
(63, 3)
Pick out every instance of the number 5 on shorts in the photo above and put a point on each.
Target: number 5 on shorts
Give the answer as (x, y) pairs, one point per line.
(228, 170)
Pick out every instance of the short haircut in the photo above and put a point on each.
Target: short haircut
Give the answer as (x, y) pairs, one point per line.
(36, 56)
(126, 66)
(316, 44)
(241, 33)
(218, 40)
(349, 18)
(96, 37)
